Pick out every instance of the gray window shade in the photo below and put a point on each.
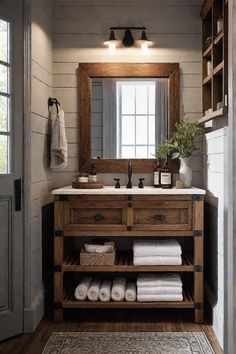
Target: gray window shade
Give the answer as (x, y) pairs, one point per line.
(161, 110)
(109, 118)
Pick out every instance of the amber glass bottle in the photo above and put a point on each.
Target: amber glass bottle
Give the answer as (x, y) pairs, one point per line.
(156, 174)
(166, 176)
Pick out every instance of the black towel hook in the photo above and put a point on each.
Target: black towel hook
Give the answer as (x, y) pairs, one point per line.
(52, 101)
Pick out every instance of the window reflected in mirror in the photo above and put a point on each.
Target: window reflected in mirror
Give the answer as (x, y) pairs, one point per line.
(129, 116)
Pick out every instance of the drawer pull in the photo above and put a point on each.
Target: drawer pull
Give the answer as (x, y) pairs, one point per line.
(157, 218)
(98, 217)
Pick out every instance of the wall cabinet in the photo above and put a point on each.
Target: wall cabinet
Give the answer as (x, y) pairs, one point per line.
(214, 58)
(127, 217)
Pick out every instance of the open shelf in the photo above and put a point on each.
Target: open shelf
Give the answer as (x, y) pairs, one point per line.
(124, 263)
(218, 38)
(220, 112)
(207, 80)
(71, 302)
(215, 54)
(218, 69)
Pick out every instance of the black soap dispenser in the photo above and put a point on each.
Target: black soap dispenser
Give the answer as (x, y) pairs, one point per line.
(140, 185)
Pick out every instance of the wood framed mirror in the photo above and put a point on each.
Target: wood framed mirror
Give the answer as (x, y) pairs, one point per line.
(88, 71)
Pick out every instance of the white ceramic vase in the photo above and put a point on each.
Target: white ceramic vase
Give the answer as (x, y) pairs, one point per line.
(185, 172)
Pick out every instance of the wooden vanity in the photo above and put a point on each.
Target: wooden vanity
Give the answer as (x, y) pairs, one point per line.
(128, 214)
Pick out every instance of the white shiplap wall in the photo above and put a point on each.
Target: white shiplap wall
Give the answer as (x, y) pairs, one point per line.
(214, 179)
(41, 89)
(79, 29)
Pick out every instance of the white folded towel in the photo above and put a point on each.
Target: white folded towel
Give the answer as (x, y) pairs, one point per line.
(158, 290)
(157, 279)
(58, 148)
(82, 288)
(118, 289)
(157, 260)
(156, 248)
(93, 290)
(131, 292)
(105, 291)
(162, 297)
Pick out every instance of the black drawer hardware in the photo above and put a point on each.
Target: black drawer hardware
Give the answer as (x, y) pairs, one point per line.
(129, 228)
(198, 268)
(130, 204)
(157, 218)
(57, 305)
(198, 233)
(98, 217)
(59, 233)
(63, 197)
(57, 268)
(198, 305)
(129, 197)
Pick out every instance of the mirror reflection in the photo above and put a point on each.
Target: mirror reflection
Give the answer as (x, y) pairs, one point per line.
(129, 116)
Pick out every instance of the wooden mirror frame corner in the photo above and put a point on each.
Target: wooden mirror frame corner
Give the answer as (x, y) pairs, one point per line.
(87, 71)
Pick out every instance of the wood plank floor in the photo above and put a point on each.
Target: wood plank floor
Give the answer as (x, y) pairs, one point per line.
(102, 320)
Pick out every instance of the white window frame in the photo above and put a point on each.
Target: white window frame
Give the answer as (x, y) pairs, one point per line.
(8, 95)
(119, 85)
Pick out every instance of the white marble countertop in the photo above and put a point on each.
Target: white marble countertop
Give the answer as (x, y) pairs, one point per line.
(135, 190)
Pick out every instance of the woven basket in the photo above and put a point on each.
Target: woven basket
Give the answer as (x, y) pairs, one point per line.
(97, 258)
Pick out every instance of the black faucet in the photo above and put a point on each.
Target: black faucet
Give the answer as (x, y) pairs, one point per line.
(129, 184)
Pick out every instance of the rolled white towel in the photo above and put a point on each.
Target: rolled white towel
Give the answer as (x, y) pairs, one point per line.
(131, 292)
(82, 288)
(157, 248)
(105, 291)
(162, 297)
(157, 260)
(93, 290)
(105, 249)
(118, 289)
(90, 247)
(158, 290)
(164, 279)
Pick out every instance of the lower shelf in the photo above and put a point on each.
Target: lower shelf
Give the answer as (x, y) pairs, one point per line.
(188, 302)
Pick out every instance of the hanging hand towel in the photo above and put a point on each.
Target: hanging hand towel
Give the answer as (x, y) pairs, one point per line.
(82, 289)
(105, 291)
(58, 147)
(93, 290)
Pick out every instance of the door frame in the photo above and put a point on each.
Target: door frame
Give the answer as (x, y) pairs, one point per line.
(27, 166)
(230, 220)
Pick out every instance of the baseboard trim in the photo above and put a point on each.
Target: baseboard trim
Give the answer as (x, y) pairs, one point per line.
(34, 314)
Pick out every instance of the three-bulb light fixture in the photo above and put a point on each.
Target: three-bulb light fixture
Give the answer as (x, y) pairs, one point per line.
(128, 40)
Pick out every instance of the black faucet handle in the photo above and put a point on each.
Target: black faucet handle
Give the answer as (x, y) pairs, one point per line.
(117, 182)
(140, 185)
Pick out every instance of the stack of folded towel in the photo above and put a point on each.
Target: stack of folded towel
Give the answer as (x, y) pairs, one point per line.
(94, 290)
(157, 252)
(159, 287)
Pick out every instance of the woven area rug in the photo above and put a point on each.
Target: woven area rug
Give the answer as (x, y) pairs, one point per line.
(128, 343)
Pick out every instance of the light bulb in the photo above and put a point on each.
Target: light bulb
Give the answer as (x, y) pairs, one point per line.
(112, 48)
(144, 48)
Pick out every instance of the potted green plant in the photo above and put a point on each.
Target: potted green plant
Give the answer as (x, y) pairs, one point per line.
(182, 145)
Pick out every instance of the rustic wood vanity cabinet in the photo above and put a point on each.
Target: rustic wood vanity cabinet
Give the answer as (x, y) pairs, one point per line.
(134, 214)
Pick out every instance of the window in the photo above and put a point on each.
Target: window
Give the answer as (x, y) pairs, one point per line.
(135, 119)
(5, 96)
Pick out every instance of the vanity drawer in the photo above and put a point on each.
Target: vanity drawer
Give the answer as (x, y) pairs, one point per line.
(95, 215)
(162, 215)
